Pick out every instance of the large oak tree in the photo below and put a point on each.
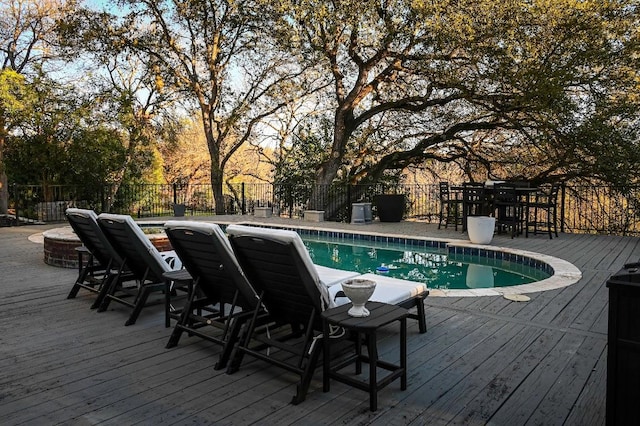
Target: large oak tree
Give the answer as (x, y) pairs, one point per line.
(469, 80)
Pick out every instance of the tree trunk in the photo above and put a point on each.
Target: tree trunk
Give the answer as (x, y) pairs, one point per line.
(328, 169)
(216, 187)
(4, 180)
(217, 173)
(4, 190)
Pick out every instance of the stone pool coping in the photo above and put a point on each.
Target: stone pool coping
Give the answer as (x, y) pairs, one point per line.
(563, 273)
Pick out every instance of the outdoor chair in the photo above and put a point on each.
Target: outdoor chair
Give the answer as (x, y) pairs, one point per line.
(103, 262)
(474, 201)
(450, 207)
(507, 208)
(544, 209)
(220, 297)
(279, 267)
(140, 257)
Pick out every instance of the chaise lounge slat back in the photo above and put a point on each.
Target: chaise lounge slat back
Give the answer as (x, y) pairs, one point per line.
(218, 283)
(140, 257)
(279, 267)
(103, 263)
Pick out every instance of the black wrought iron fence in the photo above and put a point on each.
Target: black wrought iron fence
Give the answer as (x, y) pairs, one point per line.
(583, 208)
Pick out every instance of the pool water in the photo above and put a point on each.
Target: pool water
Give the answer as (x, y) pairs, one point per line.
(434, 267)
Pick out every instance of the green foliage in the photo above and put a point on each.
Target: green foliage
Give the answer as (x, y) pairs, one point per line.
(94, 156)
(296, 163)
(59, 139)
(12, 91)
(88, 158)
(476, 82)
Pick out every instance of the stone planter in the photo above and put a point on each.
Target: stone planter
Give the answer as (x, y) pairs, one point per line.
(262, 211)
(480, 229)
(314, 215)
(390, 207)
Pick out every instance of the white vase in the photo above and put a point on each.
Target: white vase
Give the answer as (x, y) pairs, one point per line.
(480, 229)
(358, 290)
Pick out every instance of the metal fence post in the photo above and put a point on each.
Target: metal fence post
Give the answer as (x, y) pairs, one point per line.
(348, 203)
(243, 208)
(562, 197)
(175, 195)
(17, 203)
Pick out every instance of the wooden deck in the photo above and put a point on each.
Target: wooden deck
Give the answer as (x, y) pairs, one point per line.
(484, 360)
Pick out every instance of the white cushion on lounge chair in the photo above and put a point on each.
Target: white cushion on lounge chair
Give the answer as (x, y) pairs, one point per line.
(285, 237)
(388, 290)
(332, 276)
(172, 259)
(168, 260)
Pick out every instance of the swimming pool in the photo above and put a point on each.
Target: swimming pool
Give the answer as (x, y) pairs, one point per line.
(434, 266)
(481, 259)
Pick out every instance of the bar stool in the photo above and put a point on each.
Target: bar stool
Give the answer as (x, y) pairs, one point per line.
(474, 202)
(544, 208)
(450, 207)
(508, 208)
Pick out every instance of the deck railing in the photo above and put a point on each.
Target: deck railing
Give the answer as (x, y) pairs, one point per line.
(582, 208)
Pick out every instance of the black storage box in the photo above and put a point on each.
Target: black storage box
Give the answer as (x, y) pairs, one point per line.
(623, 356)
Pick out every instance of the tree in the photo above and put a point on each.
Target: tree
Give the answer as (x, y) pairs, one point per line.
(447, 79)
(215, 55)
(27, 44)
(54, 144)
(129, 94)
(184, 151)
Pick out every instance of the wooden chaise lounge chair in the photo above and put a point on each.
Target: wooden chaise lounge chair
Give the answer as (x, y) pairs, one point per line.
(220, 297)
(279, 267)
(140, 257)
(103, 263)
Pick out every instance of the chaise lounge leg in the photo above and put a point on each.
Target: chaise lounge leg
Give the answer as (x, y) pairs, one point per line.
(74, 290)
(142, 300)
(238, 352)
(175, 336)
(103, 300)
(76, 286)
(223, 360)
(422, 321)
(184, 320)
(305, 380)
(236, 360)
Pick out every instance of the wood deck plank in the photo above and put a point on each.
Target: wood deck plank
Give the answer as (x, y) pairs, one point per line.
(483, 361)
(523, 403)
(569, 382)
(483, 405)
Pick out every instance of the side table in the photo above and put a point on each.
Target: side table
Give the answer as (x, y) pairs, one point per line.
(381, 314)
(179, 278)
